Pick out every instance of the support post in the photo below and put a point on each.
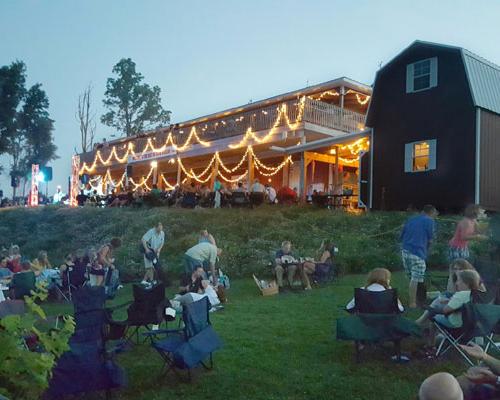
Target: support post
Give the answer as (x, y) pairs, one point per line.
(330, 178)
(337, 167)
(286, 173)
(215, 171)
(250, 173)
(179, 171)
(303, 180)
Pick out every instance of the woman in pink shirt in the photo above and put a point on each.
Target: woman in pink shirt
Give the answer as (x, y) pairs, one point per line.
(466, 230)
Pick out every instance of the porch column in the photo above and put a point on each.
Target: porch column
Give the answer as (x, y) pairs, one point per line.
(303, 178)
(330, 178)
(179, 171)
(342, 94)
(155, 172)
(250, 172)
(286, 173)
(313, 170)
(215, 171)
(337, 167)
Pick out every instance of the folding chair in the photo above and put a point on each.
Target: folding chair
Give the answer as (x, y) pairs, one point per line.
(479, 321)
(147, 308)
(88, 366)
(239, 199)
(256, 199)
(190, 346)
(376, 319)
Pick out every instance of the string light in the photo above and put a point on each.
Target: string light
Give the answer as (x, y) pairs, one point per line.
(168, 185)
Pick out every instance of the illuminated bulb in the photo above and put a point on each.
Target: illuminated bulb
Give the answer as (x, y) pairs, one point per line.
(154, 164)
(332, 151)
(171, 161)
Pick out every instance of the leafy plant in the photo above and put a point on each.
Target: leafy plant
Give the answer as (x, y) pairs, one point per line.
(25, 369)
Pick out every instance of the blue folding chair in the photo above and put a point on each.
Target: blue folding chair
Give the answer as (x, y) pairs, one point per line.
(88, 366)
(189, 346)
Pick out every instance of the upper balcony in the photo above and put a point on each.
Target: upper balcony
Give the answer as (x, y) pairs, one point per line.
(303, 111)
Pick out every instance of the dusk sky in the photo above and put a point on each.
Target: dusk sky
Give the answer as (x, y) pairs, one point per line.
(210, 55)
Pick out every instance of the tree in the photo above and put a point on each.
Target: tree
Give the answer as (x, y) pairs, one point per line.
(86, 119)
(133, 106)
(25, 125)
(12, 92)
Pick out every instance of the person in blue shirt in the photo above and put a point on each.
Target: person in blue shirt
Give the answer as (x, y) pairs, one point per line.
(416, 239)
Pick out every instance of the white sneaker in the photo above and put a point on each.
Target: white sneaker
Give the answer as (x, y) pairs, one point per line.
(144, 283)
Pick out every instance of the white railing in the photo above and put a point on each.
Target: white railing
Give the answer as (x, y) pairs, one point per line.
(332, 116)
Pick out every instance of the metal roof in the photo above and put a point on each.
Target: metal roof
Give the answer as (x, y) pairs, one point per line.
(484, 81)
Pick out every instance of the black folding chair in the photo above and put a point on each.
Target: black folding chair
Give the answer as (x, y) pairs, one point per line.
(187, 347)
(377, 319)
(239, 199)
(256, 199)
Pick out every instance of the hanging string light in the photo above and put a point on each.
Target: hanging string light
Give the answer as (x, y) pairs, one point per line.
(168, 185)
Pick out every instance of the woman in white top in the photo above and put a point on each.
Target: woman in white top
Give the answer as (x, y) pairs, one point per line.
(208, 291)
(378, 280)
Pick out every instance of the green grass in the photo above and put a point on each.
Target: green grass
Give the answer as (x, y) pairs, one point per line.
(281, 347)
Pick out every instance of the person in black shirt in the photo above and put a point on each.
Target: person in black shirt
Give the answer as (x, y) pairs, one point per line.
(81, 199)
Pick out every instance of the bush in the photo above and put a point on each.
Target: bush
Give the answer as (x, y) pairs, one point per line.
(246, 236)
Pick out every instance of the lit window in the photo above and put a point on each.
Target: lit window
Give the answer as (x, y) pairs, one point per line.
(420, 156)
(421, 75)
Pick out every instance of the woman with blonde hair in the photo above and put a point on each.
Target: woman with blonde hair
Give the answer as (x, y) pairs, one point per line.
(378, 280)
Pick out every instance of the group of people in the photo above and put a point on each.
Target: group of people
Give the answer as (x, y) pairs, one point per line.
(287, 266)
(190, 194)
(483, 381)
(19, 275)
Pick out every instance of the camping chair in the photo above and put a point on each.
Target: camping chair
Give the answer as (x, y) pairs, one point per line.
(89, 365)
(480, 319)
(239, 199)
(187, 347)
(147, 309)
(256, 199)
(376, 319)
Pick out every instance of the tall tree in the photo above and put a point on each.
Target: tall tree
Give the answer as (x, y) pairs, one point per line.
(133, 106)
(86, 118)
(12, 92)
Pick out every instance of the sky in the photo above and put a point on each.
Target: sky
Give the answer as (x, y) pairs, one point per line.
(207, 56)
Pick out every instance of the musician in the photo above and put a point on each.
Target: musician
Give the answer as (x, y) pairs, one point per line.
(152, 241)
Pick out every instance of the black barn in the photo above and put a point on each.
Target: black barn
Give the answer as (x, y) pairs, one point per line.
(435, 119)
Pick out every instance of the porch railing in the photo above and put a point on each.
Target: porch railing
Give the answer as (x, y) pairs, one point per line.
(259, 119)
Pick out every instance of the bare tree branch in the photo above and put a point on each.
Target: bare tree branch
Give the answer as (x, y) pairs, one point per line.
(86, 119)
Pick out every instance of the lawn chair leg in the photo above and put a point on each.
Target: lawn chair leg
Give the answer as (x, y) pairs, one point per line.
(397, 347)
(357, 351)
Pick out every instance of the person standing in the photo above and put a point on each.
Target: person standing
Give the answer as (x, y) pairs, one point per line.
(416, 239)
(466, 230)
(217, 193)
(152, 241)
(203, 255)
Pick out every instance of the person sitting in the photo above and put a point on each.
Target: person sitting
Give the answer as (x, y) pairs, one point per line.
(257, 187)
(207, 290)
(41, 263)
(14, 263)
(239, 188)
(440, 386)
(448, 310)
(206, 236)
(285, 262)
(191, 283)
(23, 282)
(5, 272)
(81, 199)
(480, 382)
(202, 255)
(378, 280)
(321, 267)
(271, 194)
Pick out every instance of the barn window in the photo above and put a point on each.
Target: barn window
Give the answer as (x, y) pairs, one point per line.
(421, 75)
(420, 156)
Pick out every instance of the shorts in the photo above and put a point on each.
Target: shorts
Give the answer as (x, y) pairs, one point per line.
(414, 266)
(455, 253)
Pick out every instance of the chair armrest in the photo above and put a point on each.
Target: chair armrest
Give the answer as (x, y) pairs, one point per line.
(163, 332)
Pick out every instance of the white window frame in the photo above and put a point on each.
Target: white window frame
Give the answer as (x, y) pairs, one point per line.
(410, 156)
(433, 75)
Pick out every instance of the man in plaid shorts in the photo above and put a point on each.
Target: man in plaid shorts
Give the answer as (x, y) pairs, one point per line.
(416, 239)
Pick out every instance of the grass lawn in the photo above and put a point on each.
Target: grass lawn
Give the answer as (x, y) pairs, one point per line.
(281, 347)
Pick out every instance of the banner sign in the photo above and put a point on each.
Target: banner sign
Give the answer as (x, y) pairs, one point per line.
(33, 200)
(152, 155)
